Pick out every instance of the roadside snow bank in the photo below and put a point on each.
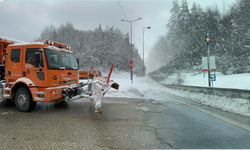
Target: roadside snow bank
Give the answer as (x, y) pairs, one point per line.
(234, 105)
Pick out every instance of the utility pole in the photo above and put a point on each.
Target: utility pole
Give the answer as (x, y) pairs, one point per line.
(131, 44)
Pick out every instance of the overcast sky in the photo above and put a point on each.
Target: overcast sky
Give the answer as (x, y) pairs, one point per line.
(24, 20)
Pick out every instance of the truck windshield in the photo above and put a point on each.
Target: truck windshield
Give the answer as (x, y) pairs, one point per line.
(59, 60)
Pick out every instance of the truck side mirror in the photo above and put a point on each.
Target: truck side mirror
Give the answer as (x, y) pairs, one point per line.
(37, 58)
(77, 60)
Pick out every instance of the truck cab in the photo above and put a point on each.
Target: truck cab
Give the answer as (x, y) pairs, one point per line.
(96, 73)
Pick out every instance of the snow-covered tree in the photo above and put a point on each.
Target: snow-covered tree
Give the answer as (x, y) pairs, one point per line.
(49, 32)
(98, 48)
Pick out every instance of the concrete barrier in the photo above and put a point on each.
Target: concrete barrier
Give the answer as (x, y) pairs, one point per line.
(232, 93)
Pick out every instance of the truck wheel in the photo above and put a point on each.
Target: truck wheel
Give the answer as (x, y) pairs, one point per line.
(23, 100)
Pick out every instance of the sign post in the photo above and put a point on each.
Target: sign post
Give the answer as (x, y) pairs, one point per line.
(207, 39)
(212, 78)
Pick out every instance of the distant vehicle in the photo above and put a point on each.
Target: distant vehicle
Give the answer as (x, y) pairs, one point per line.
(85, 74)
(97, 73)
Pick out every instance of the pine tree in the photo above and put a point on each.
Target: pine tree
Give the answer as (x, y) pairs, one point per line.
(173, 27)
(196, 34)
(183, 18)
(183, 32)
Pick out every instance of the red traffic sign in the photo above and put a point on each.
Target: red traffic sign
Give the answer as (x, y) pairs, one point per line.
(131, 64)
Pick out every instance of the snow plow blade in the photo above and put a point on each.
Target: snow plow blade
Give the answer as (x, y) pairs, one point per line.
(95, 90)
(98, 87)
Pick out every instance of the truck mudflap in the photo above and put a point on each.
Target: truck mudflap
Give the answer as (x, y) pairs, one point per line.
(3, 88)
(95, 90)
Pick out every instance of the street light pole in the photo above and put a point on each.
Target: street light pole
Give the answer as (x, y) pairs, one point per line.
(131, 43)
(144, 29)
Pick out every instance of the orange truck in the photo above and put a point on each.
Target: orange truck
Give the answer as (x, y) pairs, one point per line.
(96, 73)
(89, 74)
(85, 74)
(44, 72)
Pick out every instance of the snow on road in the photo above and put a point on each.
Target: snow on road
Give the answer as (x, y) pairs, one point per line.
(142, 87)
(146, 88)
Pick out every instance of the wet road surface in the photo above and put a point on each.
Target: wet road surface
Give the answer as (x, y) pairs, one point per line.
(74, 125)
(125, 124)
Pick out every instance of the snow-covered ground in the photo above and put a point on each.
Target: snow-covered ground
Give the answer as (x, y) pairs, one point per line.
(146, 88)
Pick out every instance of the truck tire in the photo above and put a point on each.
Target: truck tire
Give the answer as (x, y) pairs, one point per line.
(23, 100)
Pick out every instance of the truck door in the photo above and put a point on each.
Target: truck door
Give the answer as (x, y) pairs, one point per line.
(14, 69)
(31, 68)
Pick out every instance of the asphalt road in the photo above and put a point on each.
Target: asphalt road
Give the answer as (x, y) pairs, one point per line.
(74, 125)
(125, 124)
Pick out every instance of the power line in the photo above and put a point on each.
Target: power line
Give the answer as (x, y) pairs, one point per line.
(122, 10)
(124, 14)
(126, 18)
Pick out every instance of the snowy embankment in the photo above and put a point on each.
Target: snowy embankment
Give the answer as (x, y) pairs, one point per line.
(146, 88)
(235, 105)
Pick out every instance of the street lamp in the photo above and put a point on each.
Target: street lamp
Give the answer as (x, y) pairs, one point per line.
(144, 29)
(131, 42)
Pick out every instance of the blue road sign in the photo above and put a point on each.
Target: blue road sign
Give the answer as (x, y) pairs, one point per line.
(212, 77)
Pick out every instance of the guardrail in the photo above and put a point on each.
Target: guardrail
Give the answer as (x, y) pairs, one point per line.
(232, 93)
(157, 78)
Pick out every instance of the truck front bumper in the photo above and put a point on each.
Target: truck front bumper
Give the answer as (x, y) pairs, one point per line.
(56, 93)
